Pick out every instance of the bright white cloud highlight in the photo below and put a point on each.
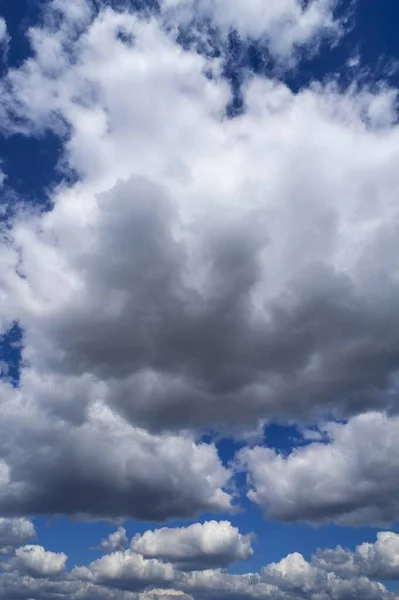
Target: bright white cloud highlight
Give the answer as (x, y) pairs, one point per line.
(126, 570)
(198, 546)
(36, 561)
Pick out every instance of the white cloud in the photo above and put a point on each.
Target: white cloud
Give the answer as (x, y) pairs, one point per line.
(293, 578)
(294, 254)
(117, 540)
(126, 570)
(283, 25)
(14, 532)
(352, 479)
(198, 546)
(3, 31)
(379, 560)
(129, 576)
(36, 561)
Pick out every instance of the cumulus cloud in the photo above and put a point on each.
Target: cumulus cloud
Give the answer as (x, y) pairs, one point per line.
(14, 532)
(128, 575)
(100, 466)
(350, 477)
(35, 561)
(296, 576)
(200, 273)
(267, 285)
(379, 560)
(126, 570)
(117, 540)
(198, 546)
(23, 587)
(293, 578)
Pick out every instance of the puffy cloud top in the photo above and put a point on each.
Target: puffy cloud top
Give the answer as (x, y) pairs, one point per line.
(356, 462)
(14, 532)
(379, 560)
(36, 561)
(198, 546)
(115, 541)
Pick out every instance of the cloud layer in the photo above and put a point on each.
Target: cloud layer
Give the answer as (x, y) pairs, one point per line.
(127, 575)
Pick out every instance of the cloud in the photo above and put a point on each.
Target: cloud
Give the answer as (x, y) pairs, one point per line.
(293, 578)
(302, 579)
(35, 561)
(126, 575)
(4, 38)
(379, 560)
(277, 310)
(97, 465)
(196, 547)
(349, 478)
(14, 532)
(126, 570)
(200, 273)
(115, 541)
(284, 26)
(23, 587)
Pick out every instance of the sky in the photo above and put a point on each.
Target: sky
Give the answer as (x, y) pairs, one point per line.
(199, 300)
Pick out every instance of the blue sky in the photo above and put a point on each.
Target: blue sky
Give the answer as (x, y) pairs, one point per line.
(198, 299)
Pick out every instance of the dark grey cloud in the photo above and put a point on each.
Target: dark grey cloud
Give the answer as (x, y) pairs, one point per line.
(166, 317)
(103, 468)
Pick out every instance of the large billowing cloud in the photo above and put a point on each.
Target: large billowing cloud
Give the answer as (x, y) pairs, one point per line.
(199, 272)
(351, 476)
(207, 271)
(197, 547)
(63, 454)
